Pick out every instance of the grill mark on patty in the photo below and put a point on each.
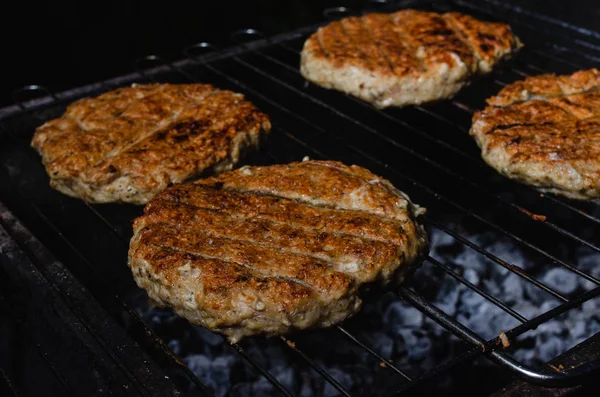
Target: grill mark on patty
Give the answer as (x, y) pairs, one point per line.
(382, 53)
(464, 38)
(352, 32)
(547, 86)
(515, 125)
(168, 260)
(299, 225)
(540, 97)
(321, 45)
(315, 274)
(300, 241)
(406, 38)
(251, 269)
(401, 222)
(162, 127)
(324, 245)
(320, 197)
(382, 34)
(336, 43)
(264, 206)
(165, 124)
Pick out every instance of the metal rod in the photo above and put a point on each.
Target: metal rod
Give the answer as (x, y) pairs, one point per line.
(387, 363)
(261, 370)
(473, 287)
(316, 367)
(513, 268)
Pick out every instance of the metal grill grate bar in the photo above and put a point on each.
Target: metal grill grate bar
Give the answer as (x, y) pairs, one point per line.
(315, 366)
(473, 287)
(261, 370)
(373, 353)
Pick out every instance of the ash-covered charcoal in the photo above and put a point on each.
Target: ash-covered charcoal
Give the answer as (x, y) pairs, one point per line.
(562, 280)
(402, 316)
(401, 333)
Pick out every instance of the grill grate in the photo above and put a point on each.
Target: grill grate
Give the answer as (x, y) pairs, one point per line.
(428, 154)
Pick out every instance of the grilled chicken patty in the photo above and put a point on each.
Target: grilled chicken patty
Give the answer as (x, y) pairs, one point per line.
(128, 144)
(266, 250)
(403, 58)
(545, 131)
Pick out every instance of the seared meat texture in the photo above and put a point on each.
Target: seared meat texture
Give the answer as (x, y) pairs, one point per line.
(267, 250)
(128, 144)
(545, 131)
(404, 58)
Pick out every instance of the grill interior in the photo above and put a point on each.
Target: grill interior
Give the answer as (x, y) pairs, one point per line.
(425, 151)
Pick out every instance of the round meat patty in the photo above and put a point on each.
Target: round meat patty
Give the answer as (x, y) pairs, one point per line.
(403, 58)
(128, 144)
(268, 250)
(545, 131)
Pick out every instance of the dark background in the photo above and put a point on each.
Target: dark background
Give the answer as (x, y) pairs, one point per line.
(62, 44)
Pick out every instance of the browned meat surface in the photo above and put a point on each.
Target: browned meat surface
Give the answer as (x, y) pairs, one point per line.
(267, 250)
(403, 58)
(545, 131)
(127, 145)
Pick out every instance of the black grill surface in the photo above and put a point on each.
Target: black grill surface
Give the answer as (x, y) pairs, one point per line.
(64, 261)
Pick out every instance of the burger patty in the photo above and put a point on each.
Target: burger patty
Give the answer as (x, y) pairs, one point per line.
(128, 144)
(545, 131)
(403, 58)
(267, 250)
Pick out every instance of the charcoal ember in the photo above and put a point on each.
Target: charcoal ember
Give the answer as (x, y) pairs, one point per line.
(492, 287)
(381, 343)
(506, 249)
(588, 262)
(260, 387)
(592, 307)
(175, 346)
(470, 259)
(448, 296)
(307, 388)
(286, 375)
(551, 327)
(548, 346)
(342, 377)
(219, 374)
(470, 302)
(417, 343)
(402, 315)
(536, 295)
(561, 280)
(526, 355)
(208, 337)
(471, 276)
(473, 319)
(512, 289)
(577, 329)
(526, 309)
